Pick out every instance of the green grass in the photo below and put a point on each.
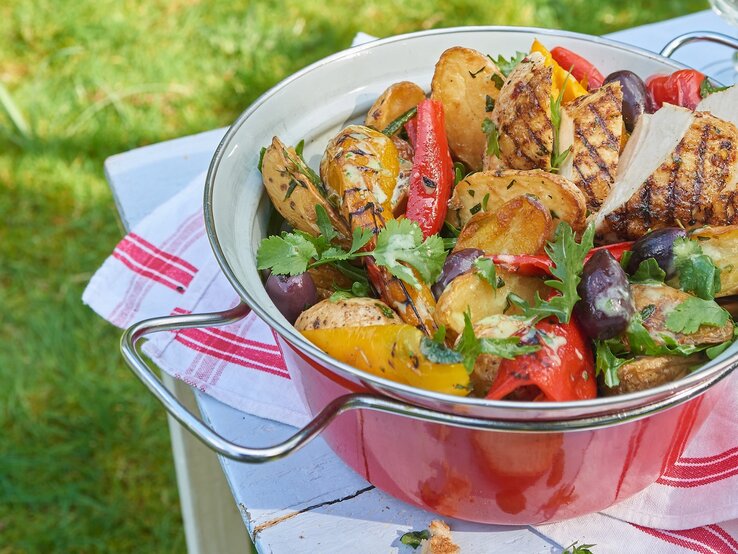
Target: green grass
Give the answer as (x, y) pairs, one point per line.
(85, 464)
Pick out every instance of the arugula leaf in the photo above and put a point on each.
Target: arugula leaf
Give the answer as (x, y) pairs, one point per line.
(288, 254)
(557, 158)
(707, 88)
(694, 312)
(697, 272)
(439, 353)
(397, 124)
(568, 258)
(506, 66)
(648, 271)
(402, 241)
(470, 347)
(486, 270)
(607, 363)
(414, 538)
(490, 129)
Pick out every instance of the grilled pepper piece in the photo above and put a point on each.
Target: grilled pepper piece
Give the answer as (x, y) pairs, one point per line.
(397, 352)
(561, 77)
(583, 71)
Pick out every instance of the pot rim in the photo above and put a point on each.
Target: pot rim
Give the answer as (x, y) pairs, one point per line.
(393, 388)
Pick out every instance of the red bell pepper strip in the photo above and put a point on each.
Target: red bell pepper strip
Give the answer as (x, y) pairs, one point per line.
(583, 71)
(432, 177)
(681, 88)
(411, 127)
(533, 265)
(563, 369)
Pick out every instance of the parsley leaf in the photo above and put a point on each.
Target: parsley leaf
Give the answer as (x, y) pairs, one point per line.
(694, 312)
(506, 66)
(486, 270)
(470, 347)
(707, 88)
(607, 361)
(568, 258)
(697, 272)
(414, 538)
(493, 140)
(288, 254)
(648, 271)
(402, 241)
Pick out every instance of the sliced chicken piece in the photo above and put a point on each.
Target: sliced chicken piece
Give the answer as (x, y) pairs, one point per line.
(624, 213)
(694, 184)
(522, 115)
(592, 126)
(723, 104)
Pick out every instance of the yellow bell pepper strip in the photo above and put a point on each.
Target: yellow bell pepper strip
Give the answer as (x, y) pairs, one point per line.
(400, 353)
(561, 77)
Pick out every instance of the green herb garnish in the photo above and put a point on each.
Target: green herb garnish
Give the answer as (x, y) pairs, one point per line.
(395, 125)
(506, 66)
(648, 271)
(707, 88)
(439, 353)
(497, 80)
(414, 538)
(486, 270)
(489, 103)
(607, 361)
(557, 158)
(261, 157)
(576, 548)
(493, 139)
(697, 272)
(693, 313)
(459, 172)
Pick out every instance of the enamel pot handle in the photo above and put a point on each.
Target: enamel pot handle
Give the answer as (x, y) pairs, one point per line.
(697, 36)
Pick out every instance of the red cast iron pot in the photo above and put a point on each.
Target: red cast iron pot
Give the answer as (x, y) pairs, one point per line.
(473, 459)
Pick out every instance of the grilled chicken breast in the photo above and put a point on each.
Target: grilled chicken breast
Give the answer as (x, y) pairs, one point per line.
(723, 104)
(522, 115)
(684, 171)
(591, 126)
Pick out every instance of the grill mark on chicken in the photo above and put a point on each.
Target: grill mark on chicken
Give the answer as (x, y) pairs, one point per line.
(594, 154)
(611, 140)
(671, 192)
(699, 173)
(531, 93)
(585, 182)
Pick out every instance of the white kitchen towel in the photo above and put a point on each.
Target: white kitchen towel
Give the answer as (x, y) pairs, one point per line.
(165, 266)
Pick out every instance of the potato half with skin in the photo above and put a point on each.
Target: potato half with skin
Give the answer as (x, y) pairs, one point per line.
(292, 192)
(664, 299)
(462, 82)
(650, 371)
(721, 244)
(562, 198)
(393, 102)
(472, 292)
(520, 226)
(349, 312)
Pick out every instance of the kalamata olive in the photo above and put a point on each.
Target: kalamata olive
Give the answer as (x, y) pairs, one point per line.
(606, 304)
(456, 264)
(291, 294)
(635, 96)
(659, 245)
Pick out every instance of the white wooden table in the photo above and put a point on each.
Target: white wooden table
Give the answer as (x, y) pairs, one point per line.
(312, 502)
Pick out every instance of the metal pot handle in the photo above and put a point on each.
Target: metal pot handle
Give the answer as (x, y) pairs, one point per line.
(698, 36)
(349, 402)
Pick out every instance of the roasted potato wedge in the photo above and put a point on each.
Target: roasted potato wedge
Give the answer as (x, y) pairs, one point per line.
(471, 292)
(350, 312)
(650, 371)
(462, 82)
(393, 102)
(325, 277)
(292, 192)
(664, 299)
(520, 226)
(562, 198)
(721, 244)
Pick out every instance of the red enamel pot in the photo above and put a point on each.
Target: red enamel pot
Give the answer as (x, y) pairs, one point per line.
(474, 459)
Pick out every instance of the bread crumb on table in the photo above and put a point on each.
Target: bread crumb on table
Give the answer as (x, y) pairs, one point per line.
(440, 540)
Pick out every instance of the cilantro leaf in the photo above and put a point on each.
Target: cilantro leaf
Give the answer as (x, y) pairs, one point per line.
(643, 344)
(714, 351)
(648, 271)
(402, 241)
(694, 312)
(438, 353)
(359, 239)
(697, 272)
(288, 254)
(707, 88)
(486, 270)
(506, 66)
(493, 139)
(414, 538)
(606, 361)
(324, 224)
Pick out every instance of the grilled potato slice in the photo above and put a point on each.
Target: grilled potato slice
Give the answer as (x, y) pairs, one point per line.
(350, 312)
(564, 200)
(393, 102)
(522, 115)
(650, 371)
(462, 82)
(293, 193)
(472, 292)
(664, 299)
(721, 244)
(520, 226)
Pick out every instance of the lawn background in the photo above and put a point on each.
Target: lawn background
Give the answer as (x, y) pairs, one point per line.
(85, 463)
